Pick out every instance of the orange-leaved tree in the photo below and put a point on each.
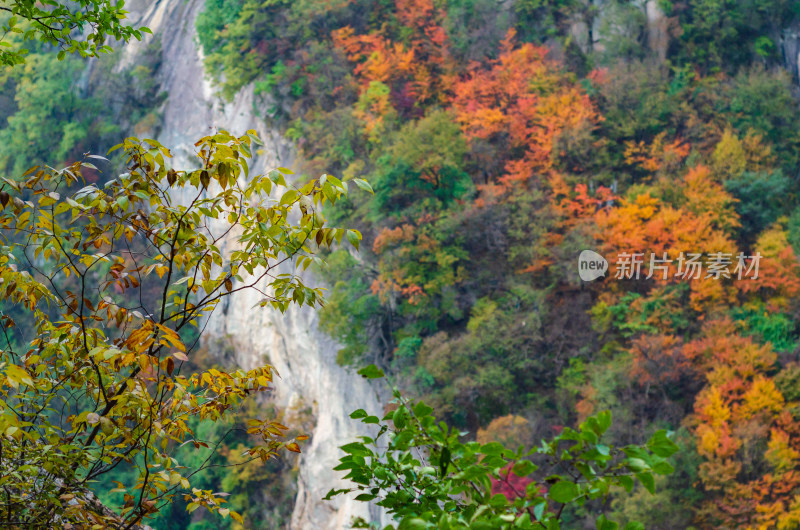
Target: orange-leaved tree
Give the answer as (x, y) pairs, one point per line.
(746, 434)
(413, 62)
(520, 105)
(107, 285)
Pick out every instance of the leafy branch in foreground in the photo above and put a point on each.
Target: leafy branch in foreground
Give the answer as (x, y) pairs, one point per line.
(420, 471)
(75, 27)
(108, 287)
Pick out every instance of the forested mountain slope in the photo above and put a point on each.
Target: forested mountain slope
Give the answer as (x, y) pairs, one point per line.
(502, 139)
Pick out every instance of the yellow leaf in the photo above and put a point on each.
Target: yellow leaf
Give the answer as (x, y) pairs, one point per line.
(18, 375)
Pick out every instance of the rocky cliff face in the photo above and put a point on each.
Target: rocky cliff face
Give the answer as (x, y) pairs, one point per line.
(789, 42)
(304, 357)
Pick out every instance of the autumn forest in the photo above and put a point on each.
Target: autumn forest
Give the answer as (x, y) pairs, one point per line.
(492, 143)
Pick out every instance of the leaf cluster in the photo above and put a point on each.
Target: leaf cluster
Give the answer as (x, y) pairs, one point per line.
(79, 27)
(114, 278)
(421, 471)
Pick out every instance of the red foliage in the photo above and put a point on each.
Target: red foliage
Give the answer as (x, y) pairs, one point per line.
(417, 69)
(658, 358)
(510, 484)
(520, 104)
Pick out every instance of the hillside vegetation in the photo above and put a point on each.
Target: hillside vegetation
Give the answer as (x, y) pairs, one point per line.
(501, 140)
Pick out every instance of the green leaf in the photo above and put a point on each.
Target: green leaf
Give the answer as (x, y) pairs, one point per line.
(605, 524)
(364, 185)
(356, 448)
(634, 525)
(415, 523)
(333, 493)
(647, 481)
(365, 497)
(538, 510)
(354, 237)
(399, 418)
(523, 468)
(637, 464)
(663, 468)
(421, 410)
(498, 501)
(604, 420)
(492, 448)
(563, 491)
(661, 445)
(627, 482)
(371, 372)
